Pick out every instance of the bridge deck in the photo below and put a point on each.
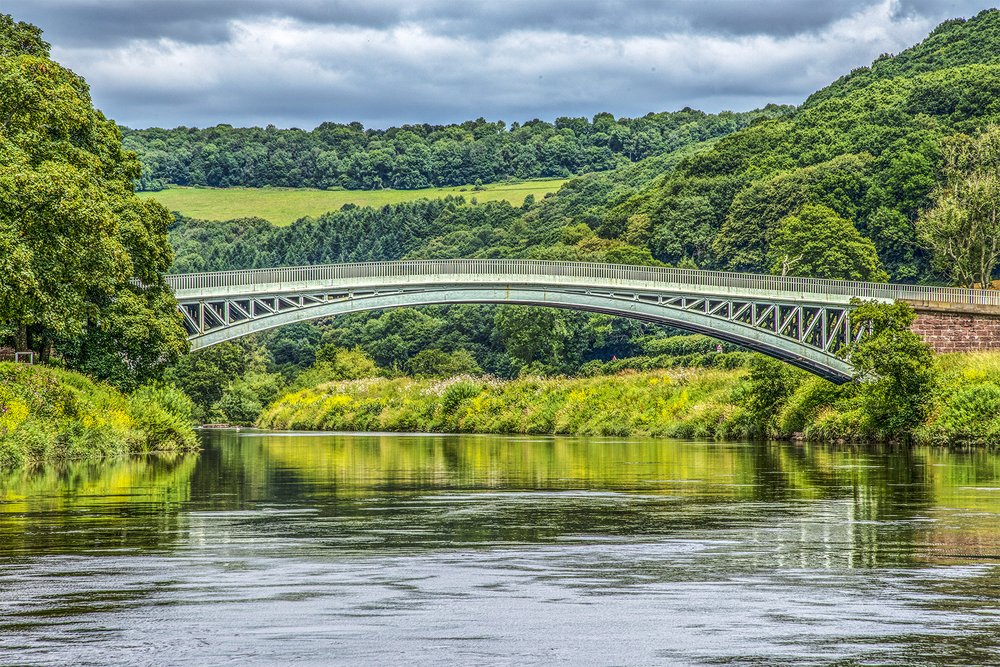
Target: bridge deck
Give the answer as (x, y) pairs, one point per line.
(294, 279)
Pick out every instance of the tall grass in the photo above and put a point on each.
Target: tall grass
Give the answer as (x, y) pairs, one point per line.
(678, 403)
(47, 413)
(710, 402)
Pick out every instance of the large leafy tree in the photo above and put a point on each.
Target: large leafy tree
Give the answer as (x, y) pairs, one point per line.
(81, 256)
(962, 229)
(818, 243)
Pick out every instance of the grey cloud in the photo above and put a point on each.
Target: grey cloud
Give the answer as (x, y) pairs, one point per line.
(939, 9)
(110, 22)
(388, 62)
(644, 17)
(392, 88)
(103, 22)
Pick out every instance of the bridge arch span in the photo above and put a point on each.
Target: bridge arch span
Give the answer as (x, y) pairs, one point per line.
(804, 321)
(799, 320)
(809, 357)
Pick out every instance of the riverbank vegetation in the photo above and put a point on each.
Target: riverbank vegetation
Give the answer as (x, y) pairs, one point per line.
(900, 392)
(761, 398)
(51, 414)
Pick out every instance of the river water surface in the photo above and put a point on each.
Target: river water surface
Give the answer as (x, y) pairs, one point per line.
(392, 549)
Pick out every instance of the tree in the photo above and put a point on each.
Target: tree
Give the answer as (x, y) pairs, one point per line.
(81, 256)
(818, 243)
(334, 364)
(962, 229)
(756, 211)
(205, 374)
(892, 366)
(438, 363)
(769, 384)
(246, 397)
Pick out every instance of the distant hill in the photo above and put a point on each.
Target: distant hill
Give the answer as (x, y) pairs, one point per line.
(954, 43)
(418, 156)
(868, 146)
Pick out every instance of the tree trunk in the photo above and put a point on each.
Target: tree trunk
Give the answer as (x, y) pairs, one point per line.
(21, 339)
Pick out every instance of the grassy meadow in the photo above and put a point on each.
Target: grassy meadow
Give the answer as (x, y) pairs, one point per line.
(283, 206)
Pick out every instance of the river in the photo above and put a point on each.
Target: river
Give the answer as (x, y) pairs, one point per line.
(394, 549)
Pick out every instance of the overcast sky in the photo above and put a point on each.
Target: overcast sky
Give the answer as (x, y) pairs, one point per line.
(387, 62)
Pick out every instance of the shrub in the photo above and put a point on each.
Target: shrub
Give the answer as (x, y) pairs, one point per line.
(969, 414)
(805, 403)
(458, 393)
(893, 367)
(438, 363)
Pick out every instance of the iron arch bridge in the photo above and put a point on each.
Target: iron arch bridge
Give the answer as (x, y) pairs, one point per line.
(803, 321)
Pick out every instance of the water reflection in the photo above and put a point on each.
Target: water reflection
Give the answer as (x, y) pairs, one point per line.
(88, 508)
(278, 547)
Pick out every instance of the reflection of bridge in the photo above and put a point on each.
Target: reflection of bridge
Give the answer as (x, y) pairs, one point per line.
(804, 321)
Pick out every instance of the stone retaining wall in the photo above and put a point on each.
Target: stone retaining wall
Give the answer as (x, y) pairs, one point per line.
(958, 332)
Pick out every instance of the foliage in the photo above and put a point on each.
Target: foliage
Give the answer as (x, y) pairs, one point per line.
(438, 363)
(818, 243)
(47, 413)
(417, 156)
(954, 42)
(543, 336)
(769, 385)
(893, 367)
(675, 403)
(244, 398)
(757, 397)
(338, 364)
(683, 345)
(80, 256)
(963, 229)
(163, 415)
(204, 375)
(871, 153)
(966, 403)
(19, 38)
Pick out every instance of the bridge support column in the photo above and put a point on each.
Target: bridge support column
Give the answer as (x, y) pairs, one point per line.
(957, 329)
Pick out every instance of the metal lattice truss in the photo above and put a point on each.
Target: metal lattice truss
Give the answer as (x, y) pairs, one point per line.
(808, 335)
(204, 316)
(824, 328)
(805, 321)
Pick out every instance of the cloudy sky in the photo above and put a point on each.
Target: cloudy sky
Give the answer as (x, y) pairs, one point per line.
(385, 62)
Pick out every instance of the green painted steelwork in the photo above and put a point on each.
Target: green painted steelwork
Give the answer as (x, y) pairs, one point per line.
(803, 321)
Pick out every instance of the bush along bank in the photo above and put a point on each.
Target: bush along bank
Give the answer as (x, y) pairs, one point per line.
(49, 414)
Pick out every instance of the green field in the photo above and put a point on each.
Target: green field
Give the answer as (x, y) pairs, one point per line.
(283, 206)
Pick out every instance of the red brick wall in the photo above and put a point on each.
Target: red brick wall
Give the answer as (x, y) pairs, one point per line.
(958, 332)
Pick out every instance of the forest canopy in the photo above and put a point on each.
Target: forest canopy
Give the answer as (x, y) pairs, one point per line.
(418, 156)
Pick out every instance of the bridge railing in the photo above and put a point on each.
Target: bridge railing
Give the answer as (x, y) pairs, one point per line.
(602, 272)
